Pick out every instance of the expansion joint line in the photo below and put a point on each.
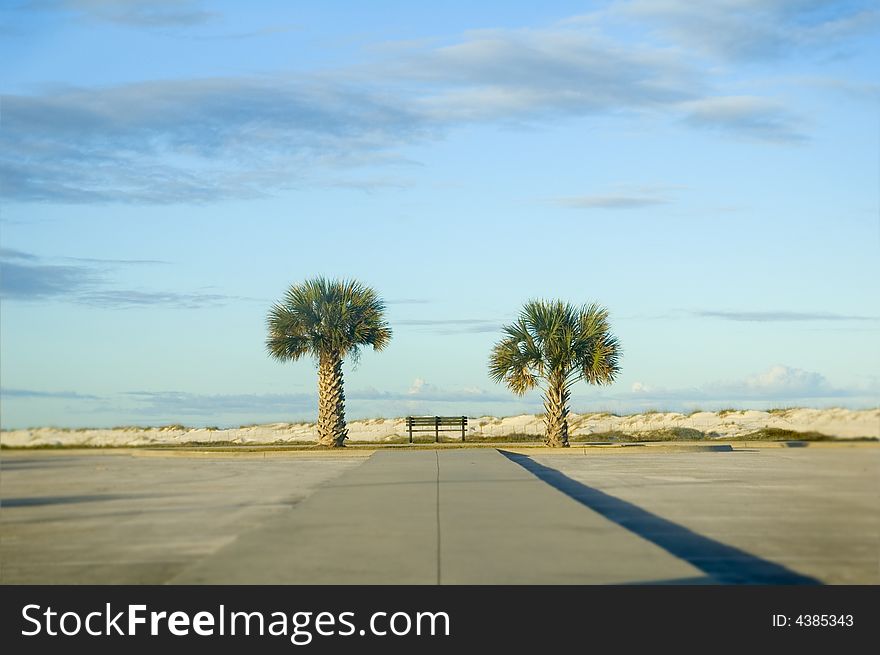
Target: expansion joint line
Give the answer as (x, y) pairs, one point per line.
(437, 455)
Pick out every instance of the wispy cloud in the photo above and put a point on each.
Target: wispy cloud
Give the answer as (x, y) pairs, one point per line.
(752, 117)
(204, 140)
(453, 325)
(855, 89)
(26, 277)
(270, 30)
(31, 393)
(531, 75)
(749, 30)
(131, 13)
(178, 404)
(9, 253)
(122, 262)
(191, 140)
(183, 404)
(777, 384)
(124, 299)
(420, 390)
(40, 281)
(782, 316)
(171, 18)
(611, 201)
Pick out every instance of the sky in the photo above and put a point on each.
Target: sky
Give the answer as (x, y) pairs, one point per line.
(709, 172)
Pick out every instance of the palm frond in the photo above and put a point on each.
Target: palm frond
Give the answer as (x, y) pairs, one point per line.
(513, 365)
(558, 341)
(326, 316)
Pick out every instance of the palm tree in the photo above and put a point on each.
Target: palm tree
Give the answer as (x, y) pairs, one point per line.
(329, 320)
(554, 345)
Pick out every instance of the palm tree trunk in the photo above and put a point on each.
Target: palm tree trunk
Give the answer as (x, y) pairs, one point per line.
(331, 401)
(556, 412)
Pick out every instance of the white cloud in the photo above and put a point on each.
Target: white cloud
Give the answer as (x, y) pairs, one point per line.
(419, 386)
(422, 390)
(754, 29)
(202, 140)
(527, 74)
(192, 140)
(787, 381)
(754, 117)
(778, 383)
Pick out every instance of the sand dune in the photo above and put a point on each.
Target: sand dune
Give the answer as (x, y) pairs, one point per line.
(840, 423)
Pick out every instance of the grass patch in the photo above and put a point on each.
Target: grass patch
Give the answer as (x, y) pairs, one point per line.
(666, 434)
(418, 438)
(516, 437)
(471, 438)
(780, 434)
(603, 437)
(396, 439)
(676, 434)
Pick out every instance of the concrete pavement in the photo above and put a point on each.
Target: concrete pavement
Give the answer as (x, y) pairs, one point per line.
(115, 517)
(473, 516)
(814, 510)
(443, 516)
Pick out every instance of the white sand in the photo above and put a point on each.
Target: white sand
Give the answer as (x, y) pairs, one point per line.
(841, 423)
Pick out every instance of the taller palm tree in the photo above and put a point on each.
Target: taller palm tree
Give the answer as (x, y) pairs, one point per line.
(329, 320)
(554, 345)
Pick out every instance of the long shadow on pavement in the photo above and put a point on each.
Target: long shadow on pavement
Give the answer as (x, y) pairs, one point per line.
(38, 501)
(726, 564)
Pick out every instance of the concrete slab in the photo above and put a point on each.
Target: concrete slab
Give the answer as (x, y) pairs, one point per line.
(448, 517)
(499, 524)
(107, 517)
(814, 510)
(375, 525)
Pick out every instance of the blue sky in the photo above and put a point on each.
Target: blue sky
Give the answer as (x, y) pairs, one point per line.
(708, 171)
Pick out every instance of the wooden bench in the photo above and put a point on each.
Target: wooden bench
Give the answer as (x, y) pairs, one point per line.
(436, 424)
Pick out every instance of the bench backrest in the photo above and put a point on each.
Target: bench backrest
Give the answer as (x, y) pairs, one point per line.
(436, 424)
(457, 421)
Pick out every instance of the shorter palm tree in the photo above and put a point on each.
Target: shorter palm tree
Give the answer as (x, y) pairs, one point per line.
(554, 345)
(329, 320)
